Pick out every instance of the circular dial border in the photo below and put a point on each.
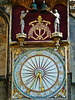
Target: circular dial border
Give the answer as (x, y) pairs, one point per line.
(45, 84)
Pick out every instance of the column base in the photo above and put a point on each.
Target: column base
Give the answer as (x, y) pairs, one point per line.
(21, 37)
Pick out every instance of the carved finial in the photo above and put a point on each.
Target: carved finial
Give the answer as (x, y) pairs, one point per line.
(39, 18)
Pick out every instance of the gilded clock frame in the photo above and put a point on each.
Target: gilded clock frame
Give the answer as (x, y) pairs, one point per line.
(20, 48)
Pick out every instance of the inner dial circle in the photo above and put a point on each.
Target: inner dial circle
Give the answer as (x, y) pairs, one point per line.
(31, 69)
(37, 70)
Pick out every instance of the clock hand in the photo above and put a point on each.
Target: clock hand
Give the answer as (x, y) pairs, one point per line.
(42, 88)
(39, 74)
(32, 83)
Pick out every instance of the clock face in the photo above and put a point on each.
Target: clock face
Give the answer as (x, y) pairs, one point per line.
(39, 73)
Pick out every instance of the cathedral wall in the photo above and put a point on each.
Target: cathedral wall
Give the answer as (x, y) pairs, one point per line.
(4, 48)
(72, 54)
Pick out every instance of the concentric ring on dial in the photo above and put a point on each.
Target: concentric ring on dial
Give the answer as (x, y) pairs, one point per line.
(46, 65)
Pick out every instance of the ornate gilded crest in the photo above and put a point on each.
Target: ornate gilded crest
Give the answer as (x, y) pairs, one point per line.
(39, 29)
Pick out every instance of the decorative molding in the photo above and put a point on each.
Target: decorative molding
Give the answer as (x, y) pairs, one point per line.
(39, 43)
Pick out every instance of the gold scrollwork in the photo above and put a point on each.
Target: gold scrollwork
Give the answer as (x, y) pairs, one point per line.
(40, 29)
(17, 94)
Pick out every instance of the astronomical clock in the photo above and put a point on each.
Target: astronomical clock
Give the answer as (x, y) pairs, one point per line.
(39, 73)
(39, 52)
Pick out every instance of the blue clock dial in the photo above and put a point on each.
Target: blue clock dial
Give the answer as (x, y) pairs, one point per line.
(39, 73)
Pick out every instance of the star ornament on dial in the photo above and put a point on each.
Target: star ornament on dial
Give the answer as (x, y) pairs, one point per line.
(39, 73)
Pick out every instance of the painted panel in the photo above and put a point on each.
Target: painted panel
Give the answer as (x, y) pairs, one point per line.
(39, 73)
(30, 17)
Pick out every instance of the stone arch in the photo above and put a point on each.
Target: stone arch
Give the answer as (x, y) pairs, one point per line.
(4, 40)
